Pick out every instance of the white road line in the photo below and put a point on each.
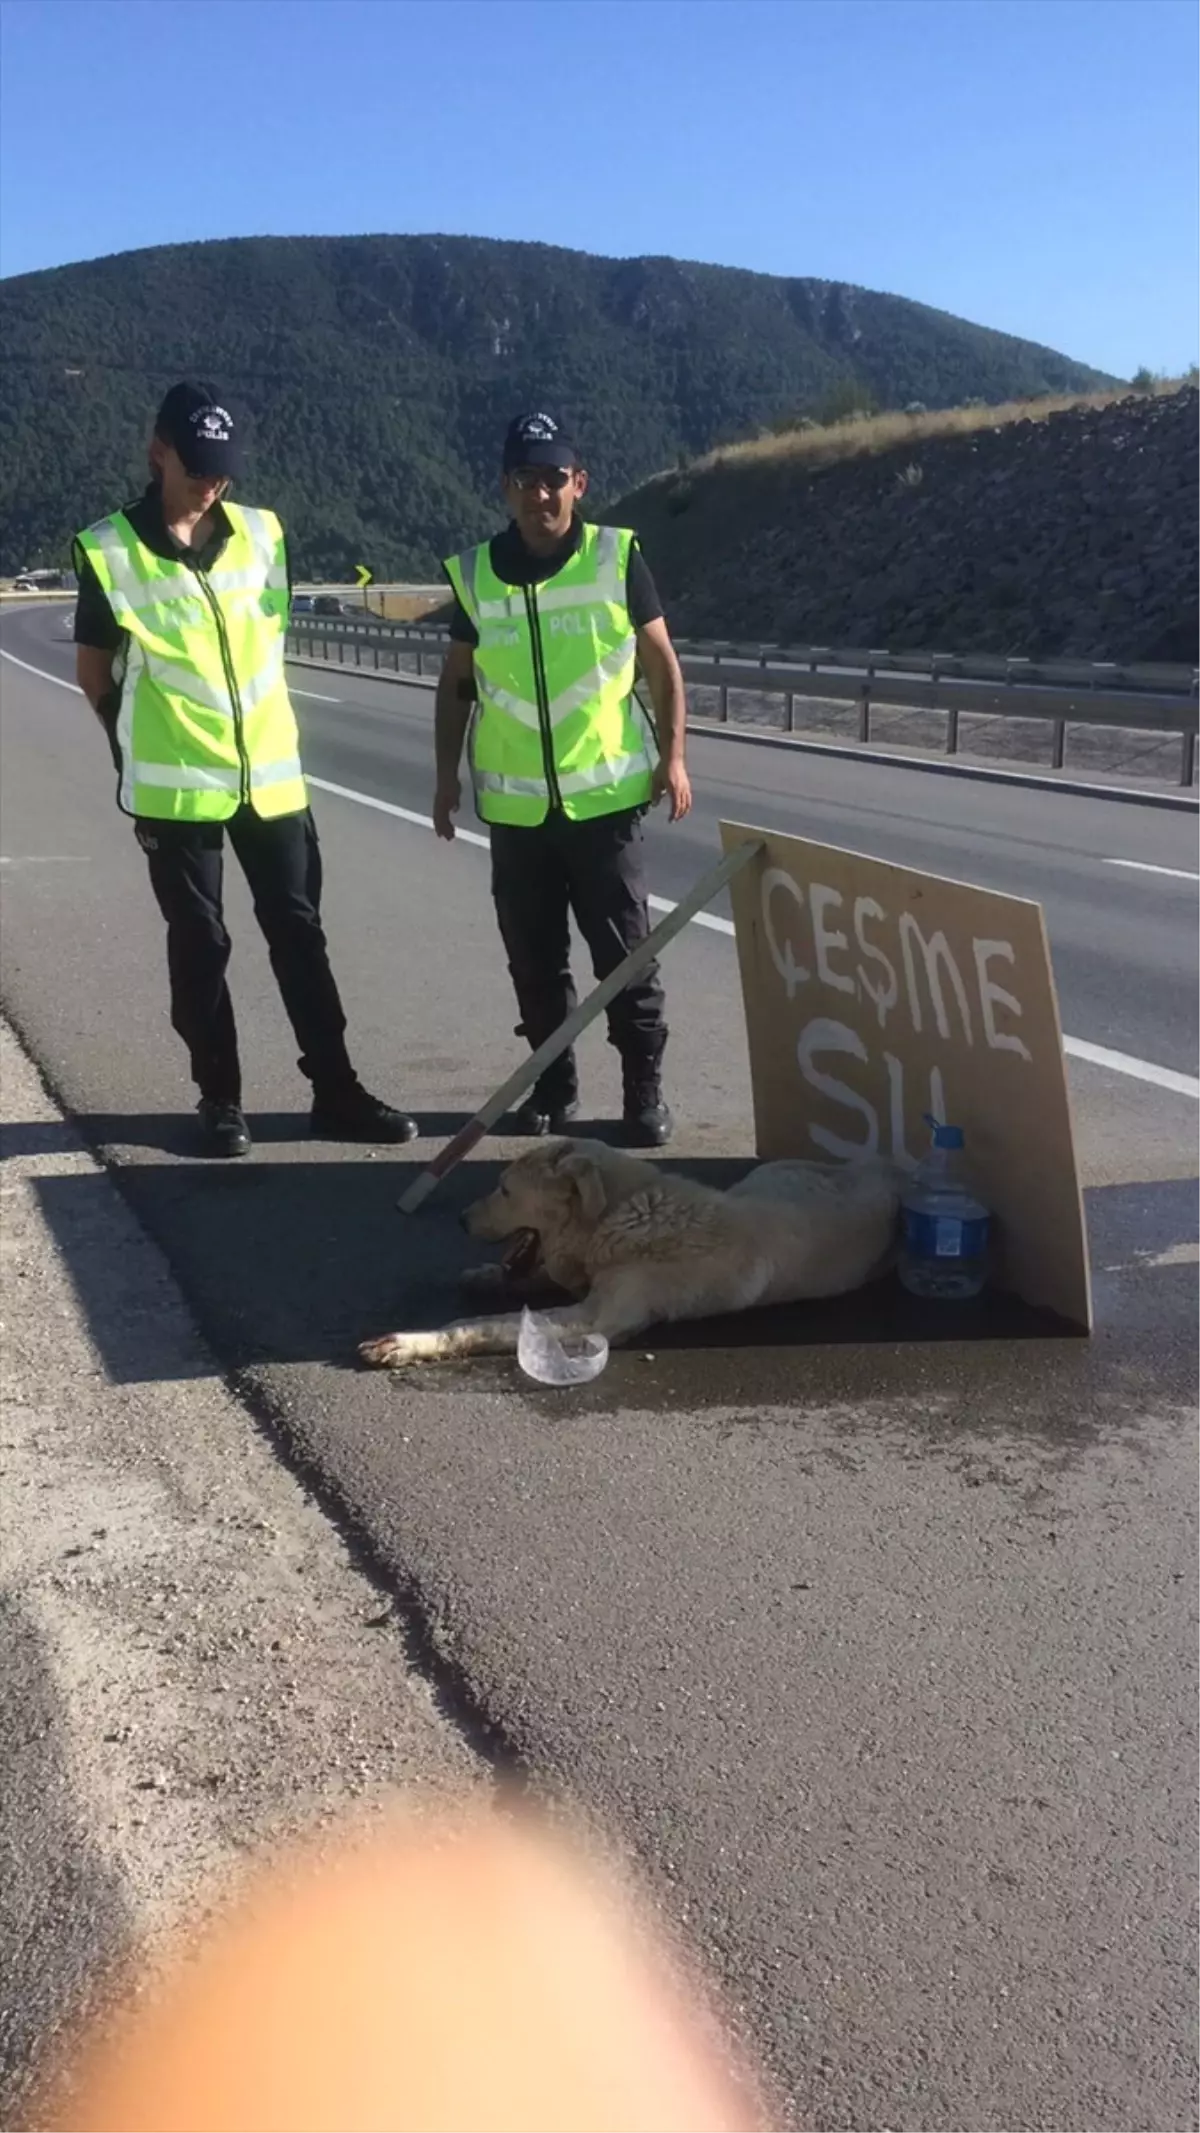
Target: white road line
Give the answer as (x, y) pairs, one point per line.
(702, 918)
(59, 683)
(41, 673)
(389, 807)
(1076, 1047)
(408, 814)
(1139, 1069)
(1143, 866)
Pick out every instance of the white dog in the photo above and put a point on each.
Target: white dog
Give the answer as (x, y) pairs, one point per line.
(637, 1247)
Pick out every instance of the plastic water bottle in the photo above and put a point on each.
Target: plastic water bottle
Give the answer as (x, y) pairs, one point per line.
(944, 1234)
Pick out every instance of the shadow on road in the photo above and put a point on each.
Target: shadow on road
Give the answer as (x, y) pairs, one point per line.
(295, 1261)
(174, 1132)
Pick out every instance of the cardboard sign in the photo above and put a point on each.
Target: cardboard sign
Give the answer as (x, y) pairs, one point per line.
(874, 995)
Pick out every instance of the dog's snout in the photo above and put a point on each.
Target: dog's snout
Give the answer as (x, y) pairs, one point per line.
(471, 1218)
(486, 1218)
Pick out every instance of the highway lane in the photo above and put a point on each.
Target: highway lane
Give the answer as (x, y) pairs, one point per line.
(878, 1652)
(1117, 880)
(1123, 939)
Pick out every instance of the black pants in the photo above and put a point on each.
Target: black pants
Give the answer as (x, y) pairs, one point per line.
(281, 860)
(597, 870)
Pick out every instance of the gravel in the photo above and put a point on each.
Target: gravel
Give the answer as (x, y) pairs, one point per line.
(191, 1660)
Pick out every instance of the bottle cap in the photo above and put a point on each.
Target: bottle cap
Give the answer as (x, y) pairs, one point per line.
(944, 1136)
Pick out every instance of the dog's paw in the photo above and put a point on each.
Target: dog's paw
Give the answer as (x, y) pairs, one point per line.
(390, 1352)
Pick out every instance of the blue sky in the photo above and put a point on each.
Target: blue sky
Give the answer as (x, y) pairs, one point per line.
(1030, 164)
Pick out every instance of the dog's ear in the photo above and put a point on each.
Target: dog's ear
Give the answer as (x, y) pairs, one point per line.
(587, 1181)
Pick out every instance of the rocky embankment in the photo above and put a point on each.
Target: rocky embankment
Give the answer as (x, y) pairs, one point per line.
(1070, 537)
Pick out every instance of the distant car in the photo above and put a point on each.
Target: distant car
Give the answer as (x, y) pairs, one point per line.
(302, 603)
(24, 585)
(329, 604)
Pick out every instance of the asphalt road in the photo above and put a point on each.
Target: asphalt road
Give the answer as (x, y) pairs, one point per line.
(1124, 939)
(878, 1650)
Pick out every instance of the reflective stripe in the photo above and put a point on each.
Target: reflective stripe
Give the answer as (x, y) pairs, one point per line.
(527, 788)
(589, 659)
(134, 665)
(185, 777)
(262, 527)
(109, 541)
(581, 692)
(510, 609)
(500, 700)
(170, 593)
(186, 682)
(165, 594)
(223, 581)
(614, 773)
(256, 530)
(128, 588)
(269, 677)
(466, 565)
(603, 589)
(177, 690)
(603, 593)
(262, 530)
(276, 773)
(144, 596)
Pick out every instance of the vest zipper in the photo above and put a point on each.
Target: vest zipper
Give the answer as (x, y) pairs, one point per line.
(231, 684)
(542, 694)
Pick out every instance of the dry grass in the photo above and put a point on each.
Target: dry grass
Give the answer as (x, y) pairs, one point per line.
(866, 435)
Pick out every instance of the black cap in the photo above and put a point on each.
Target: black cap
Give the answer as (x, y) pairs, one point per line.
(537, 440)
(202, 430)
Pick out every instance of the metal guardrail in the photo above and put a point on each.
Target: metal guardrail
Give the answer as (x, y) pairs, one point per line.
(375, 635)
(1143, 697)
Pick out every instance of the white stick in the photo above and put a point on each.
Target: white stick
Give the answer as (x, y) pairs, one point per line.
(530, 1069)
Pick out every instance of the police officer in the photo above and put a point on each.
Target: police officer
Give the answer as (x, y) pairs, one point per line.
(550, 618)
(179, 628)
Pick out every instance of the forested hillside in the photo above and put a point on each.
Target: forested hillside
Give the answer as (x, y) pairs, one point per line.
(380, 371)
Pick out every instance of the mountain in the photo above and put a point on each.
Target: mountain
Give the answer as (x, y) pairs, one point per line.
(379, 373)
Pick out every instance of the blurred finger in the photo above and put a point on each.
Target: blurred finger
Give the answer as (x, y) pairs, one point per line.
(483, 1977)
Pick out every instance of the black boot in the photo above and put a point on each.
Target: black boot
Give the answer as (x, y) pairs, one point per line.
(645, 1116)
(350, 1113)
(223, 1129)
(541, 1114)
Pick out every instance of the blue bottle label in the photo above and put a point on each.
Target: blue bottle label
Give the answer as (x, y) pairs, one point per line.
(944, 1236)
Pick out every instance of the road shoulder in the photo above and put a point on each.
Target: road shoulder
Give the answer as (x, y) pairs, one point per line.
(192, 1663)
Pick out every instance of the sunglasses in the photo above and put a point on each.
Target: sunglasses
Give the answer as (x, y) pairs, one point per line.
(552, 478)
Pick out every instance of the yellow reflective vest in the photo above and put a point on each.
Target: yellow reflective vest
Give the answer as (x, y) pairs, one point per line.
(205, 722)
(557, 724)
